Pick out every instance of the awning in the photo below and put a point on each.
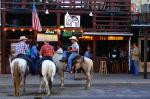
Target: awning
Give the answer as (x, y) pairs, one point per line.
(140, 25)
(108, 34)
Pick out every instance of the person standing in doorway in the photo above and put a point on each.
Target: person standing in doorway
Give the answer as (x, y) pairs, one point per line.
(88, 53)
(135, 59)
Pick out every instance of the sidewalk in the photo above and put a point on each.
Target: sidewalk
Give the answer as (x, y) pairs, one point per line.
(98, 80)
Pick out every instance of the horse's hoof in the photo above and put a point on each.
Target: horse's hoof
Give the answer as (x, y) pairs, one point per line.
(40, 91)
(24, 91)
(48, 94)
(87, 87)
(62, 88)
(16, 94)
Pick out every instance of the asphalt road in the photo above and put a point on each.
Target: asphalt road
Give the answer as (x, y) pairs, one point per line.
(96, 92)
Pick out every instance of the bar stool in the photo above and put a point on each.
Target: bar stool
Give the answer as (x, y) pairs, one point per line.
(115, 67)
(103, 67)
(124, 66)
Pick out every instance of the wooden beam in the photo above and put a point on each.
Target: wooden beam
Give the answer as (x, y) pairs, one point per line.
(3, 66)
(58, 20)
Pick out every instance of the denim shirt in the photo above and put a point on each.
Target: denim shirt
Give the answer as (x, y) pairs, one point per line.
(34, 52)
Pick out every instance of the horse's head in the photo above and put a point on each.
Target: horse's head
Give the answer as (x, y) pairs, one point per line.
(10, 58)
(57, 60)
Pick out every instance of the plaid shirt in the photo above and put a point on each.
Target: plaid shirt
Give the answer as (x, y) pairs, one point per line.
(21, 48)
(47, 50)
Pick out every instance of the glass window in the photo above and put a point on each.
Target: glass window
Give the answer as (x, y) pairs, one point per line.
(142, 51)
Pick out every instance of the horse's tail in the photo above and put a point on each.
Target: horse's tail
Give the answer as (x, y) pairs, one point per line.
(16, 76)
(16, 72)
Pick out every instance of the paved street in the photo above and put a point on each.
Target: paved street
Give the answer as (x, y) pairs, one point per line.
(104, 87)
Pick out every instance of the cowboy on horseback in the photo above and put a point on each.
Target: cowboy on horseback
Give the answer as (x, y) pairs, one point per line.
(21, 49)
(46, 53)
(74, 51)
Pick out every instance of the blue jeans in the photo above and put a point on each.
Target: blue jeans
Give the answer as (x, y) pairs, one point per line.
(135, 64)
(71, 57)
(65, 54)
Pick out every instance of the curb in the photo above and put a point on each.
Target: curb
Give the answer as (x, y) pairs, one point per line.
(83, 84)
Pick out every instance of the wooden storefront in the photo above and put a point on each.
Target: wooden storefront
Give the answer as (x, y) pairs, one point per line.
(102, 43)
(108, 16)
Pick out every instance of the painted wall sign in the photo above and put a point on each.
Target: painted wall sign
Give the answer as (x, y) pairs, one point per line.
(72, 20)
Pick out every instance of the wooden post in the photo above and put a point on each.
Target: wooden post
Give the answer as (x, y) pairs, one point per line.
(94, 16)
(34, 36)
(58, 19)
(145, 53)
(3, 38)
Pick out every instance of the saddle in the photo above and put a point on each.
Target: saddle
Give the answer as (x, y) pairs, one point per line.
(23, 57)
(77, 60)
(20, 56)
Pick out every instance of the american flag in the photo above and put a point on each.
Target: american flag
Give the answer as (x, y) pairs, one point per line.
(36, 25)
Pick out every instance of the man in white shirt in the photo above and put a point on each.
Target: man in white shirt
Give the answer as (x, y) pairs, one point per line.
(59, 49)
(74, 52)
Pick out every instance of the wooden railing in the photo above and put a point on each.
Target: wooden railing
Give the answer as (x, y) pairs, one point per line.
(102, 5)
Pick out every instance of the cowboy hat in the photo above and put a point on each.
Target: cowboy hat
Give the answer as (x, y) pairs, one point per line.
(73, 38)
(23, 38)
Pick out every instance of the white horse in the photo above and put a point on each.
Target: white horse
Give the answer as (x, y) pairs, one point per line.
(61, 66)
(48, 71)
(19, 71)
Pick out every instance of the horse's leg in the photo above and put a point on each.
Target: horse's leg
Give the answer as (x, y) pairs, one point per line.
(15, 90)
(88, 80)
(47, 86)
(62, 78)
(24, 83)
(41, 83)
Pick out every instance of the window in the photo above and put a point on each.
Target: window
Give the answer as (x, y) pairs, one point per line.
(142, 51)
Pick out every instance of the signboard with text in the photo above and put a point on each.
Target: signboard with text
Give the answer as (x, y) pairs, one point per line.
(47, 37)
(72, 20)
(140, 6)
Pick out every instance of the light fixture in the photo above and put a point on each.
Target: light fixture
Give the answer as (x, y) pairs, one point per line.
(90, 14)
(22, 30)
(30, 30)
(46, 1)
(5, 29)
(13, 30)
(61, 26)
(67, 14)
(46, 11)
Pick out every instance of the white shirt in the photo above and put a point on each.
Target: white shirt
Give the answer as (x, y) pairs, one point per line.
(75, 45)
(59, 51)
